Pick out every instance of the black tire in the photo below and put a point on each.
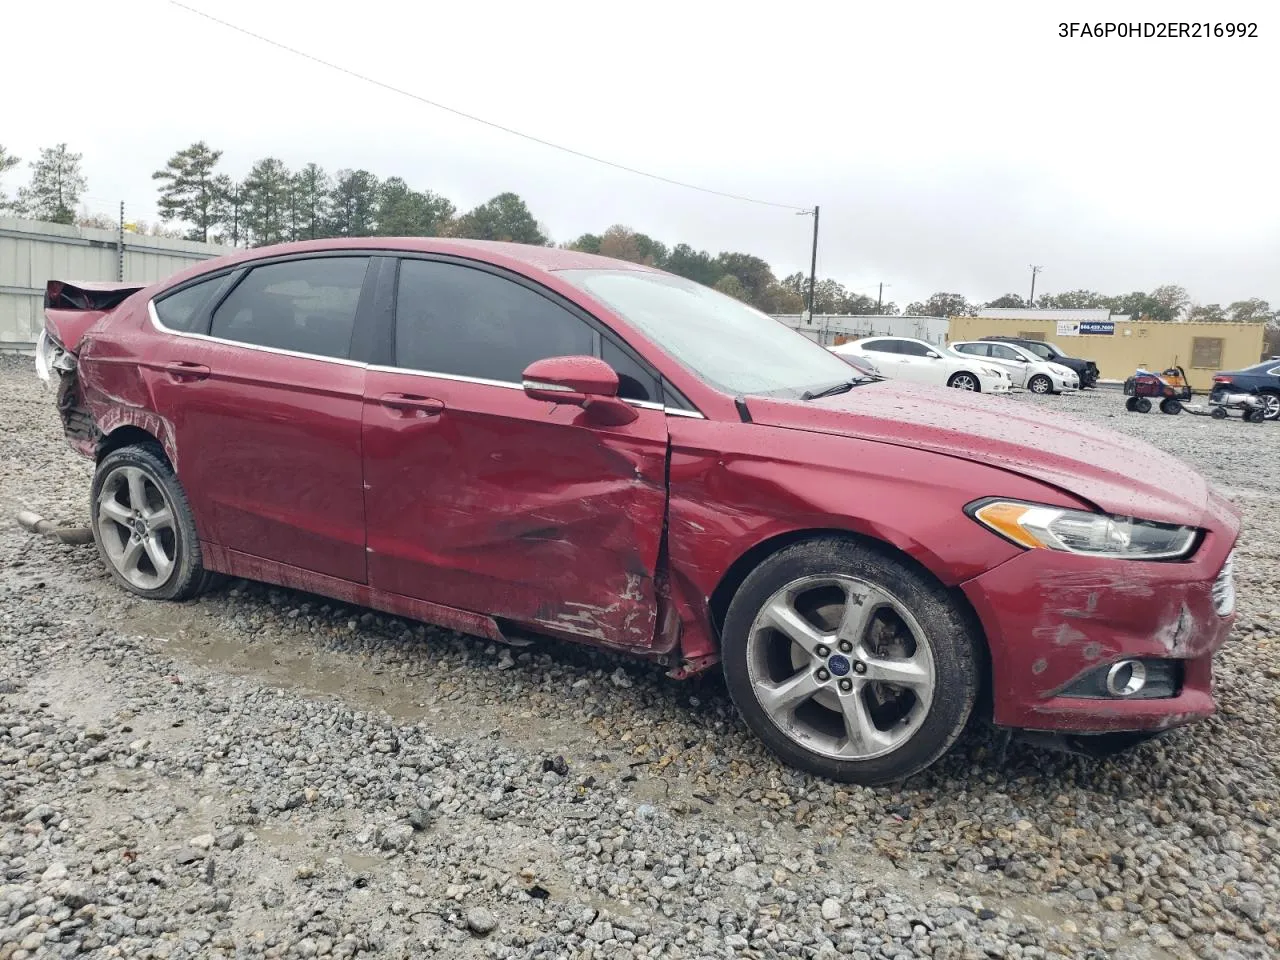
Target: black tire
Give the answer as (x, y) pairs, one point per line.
(1040, 384)
(1219, 413)
(959, 380)
(1143, 405)
(1131, 404)
(188, 577)
(1256, 416)
(951, 638)
(1170, 406)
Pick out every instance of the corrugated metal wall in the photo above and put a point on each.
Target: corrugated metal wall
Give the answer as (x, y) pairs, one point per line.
(826, 329)
(32, 253)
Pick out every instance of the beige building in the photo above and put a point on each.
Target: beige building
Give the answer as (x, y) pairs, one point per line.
(1120, 346)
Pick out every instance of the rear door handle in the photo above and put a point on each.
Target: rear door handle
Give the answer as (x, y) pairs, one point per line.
(423, 406)
(182, 370)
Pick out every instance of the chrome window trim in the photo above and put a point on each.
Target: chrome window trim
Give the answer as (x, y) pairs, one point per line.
(155, 322)
(459, 378)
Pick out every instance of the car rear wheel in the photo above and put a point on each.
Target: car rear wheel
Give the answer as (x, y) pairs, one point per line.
(849, 663)
(1040, 384)
(964, 381)
(143, 526)
(1270, 405)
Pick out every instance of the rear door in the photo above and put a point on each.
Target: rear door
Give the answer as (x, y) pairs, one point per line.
(257, 380)
(481, 498)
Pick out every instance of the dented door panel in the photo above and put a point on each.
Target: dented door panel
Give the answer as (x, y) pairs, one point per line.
(515, 507)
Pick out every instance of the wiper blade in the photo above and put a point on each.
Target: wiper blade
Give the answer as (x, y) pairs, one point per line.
(844, 386)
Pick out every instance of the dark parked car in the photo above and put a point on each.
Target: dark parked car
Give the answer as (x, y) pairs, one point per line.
(1086, 370)
(511, 440)
(1262, 378)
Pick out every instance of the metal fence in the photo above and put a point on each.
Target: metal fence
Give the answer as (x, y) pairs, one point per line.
(33, 252)
(827, 328)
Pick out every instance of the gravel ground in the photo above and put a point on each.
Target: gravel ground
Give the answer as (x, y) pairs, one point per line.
(268, 773)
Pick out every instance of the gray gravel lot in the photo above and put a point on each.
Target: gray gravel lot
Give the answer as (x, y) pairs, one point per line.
(267, 773)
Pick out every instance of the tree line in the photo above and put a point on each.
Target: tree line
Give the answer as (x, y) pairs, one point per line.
(273, 204)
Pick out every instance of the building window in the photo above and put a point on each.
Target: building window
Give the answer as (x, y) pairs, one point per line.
(1206, 353)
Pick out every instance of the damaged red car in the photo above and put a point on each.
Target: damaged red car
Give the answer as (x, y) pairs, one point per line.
(512, 441)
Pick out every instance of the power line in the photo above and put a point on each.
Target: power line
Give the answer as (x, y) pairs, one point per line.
(481, 120)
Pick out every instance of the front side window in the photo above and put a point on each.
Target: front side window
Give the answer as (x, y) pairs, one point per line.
(304, 306)
(471, 323)
(913, 349)
(722, 341)
(1001, 352)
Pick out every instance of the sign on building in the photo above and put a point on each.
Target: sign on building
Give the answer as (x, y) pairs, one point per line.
(1086, 328)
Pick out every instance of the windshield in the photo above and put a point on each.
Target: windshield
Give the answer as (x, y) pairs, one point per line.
(724, 342)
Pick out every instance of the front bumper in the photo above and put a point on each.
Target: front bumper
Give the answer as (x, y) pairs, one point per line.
(1053, 618)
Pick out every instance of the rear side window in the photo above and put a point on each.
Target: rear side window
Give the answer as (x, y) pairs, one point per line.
(181, 311)
(881, 346)
(305, 306)
(466, 322)
(913, 349)
(976, 349)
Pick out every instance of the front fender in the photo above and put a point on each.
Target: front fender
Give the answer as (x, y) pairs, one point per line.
(736, 486)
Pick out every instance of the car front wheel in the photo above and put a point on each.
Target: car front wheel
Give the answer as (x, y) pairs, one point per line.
(848, 662)
(143, 526)
(1040, 384)
(964, 381)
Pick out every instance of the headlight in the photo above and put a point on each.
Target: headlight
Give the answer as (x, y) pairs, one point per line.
(993, 372)
(1039, 527)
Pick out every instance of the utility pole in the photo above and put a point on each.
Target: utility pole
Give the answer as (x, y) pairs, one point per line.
(1031, 300)
(880, 297)
(120, 245)
(813, 257)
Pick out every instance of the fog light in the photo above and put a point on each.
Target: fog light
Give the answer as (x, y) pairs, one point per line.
(1126, 678)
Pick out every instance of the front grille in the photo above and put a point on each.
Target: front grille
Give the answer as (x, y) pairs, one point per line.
(1224, 588)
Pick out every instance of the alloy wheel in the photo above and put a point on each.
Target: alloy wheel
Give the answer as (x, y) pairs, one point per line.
(1270, 405)
(136, 528)
(841, 667)
(963, 381)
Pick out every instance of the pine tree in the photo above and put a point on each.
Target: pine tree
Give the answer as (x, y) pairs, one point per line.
(190, 191)
(56, 186)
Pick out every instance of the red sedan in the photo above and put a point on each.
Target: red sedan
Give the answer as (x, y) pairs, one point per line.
(512, 440)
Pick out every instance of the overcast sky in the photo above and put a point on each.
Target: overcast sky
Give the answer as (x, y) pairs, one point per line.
(950, 145)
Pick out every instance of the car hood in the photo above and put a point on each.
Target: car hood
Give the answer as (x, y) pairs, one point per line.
(1112, 471)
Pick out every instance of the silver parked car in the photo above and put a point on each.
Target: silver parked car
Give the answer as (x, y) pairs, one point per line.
(1024, 367)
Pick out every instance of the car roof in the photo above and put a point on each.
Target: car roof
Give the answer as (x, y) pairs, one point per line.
(501, 253)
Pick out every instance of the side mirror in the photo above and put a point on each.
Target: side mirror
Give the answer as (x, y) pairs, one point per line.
(933, 356)
(586, 382)
(1022, 360)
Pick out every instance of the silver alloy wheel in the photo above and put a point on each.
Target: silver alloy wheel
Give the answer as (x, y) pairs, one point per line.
(841, 667)
(964, 381)
(136, 528)
(1270, 405)
(1041, 384)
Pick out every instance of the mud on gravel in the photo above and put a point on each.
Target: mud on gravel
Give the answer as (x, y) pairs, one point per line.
(267, 773)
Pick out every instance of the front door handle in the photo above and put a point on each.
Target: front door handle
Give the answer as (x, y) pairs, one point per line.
(181, 370)
(422, 406)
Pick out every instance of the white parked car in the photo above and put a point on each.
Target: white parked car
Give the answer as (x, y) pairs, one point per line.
(1027, 370)
(902, 358)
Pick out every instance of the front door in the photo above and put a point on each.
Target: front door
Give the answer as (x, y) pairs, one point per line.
(481, 498)
(265, 406)
(1009, 359)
